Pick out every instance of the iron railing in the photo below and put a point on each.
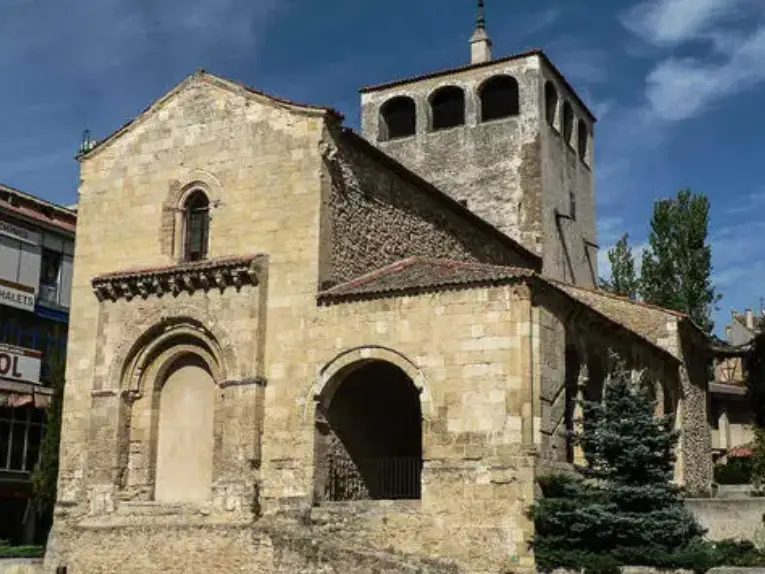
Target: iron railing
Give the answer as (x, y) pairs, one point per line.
(374, 478)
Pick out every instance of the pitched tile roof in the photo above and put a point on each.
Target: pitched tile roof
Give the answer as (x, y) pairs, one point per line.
(417, 274)
(649, 321)
(37, 209)
(220, 263)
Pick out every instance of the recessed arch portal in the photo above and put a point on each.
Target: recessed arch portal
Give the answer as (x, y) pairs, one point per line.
(170, 414)
(368, 434)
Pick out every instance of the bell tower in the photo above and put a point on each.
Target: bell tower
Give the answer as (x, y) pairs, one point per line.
(509, 138)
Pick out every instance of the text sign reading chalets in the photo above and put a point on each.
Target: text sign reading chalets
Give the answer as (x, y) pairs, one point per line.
(10, 230)
(19, 364)
(15, 295)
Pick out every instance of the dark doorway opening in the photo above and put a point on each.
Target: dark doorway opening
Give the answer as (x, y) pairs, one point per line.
(370, 436)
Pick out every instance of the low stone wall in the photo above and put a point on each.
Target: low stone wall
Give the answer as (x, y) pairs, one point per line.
(737, 518)
(21, 566)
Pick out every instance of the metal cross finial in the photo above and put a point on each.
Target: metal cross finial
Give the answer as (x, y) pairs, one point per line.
(481, 23)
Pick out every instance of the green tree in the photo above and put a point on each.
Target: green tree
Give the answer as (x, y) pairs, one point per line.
(624, 279)
(624, 509)
(677, 267)
(45, 474)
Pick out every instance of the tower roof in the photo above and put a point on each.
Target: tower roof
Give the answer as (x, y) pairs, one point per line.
(480, 43)
(536, 52)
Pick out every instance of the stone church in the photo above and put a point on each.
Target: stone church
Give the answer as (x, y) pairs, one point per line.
(298, 349)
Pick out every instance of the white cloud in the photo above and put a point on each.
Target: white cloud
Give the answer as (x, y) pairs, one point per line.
(677, 89)
(752, 204)
(92, 36)
(672, 22)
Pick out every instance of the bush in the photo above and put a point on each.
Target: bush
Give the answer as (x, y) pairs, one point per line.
(736, 470)
(740, 553)
(8, 551)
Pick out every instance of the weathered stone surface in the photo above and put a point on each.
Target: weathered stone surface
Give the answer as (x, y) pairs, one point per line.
(738, 518)
(304, 206)
(516, 172)
(20, 566)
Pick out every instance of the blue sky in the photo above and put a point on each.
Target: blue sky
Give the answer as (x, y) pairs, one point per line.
(678, 86)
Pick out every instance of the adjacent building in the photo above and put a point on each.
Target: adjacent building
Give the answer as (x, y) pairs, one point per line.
(36, 254)
(730, 412)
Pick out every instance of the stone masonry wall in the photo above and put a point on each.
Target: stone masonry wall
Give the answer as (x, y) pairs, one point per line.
(486, 164)
(570, 248)
(260, 162)
(517, 172)
(468, 351)
(377, 217)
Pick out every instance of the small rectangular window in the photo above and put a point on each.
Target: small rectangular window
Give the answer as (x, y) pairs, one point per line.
(50, 275)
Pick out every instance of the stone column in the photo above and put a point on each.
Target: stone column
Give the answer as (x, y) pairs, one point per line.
(103, 450)
(237, 428)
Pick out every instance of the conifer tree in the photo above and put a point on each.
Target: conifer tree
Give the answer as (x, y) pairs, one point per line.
(625, 509)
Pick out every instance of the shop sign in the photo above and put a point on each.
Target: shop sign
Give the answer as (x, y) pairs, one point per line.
(20, 233)
(17, 295)
(19, 364)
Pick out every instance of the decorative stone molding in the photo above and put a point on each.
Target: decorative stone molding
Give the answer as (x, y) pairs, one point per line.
(328, 380)
(191, 277)
(258, 381)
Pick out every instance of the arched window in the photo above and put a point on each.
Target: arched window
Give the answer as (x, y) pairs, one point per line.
(583, 136)
(196, 226)
(551, 103)
(499, 98)
(568, 122)
(447, 107)
(399, 118)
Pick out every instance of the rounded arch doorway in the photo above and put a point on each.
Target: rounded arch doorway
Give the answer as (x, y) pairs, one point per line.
(369, 435)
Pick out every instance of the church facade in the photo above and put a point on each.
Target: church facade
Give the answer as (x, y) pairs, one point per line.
(297, 349)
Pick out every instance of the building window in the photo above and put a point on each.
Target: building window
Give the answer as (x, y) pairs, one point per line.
(21, 430)
(582, 137)
(196, 226)
(50, 275)
(499, 98)
(447, 108)
(398, 118)
(568, 122)
(551, 103)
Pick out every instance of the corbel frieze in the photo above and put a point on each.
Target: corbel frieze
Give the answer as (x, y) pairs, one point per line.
(201, 276)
